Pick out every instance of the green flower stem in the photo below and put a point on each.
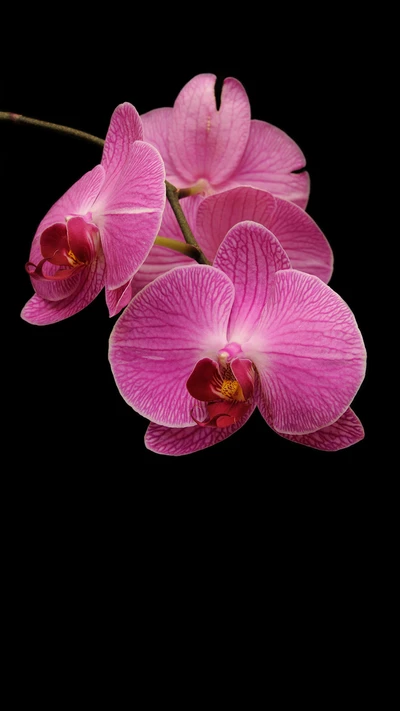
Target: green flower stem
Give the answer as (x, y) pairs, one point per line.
(193, 190)
(178, 246)
(173, 198)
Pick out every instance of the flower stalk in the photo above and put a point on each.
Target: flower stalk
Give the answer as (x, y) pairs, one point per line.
(173, 198)
(178, 246)
(18, 118)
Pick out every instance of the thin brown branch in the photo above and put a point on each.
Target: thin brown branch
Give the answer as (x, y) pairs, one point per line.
(17, 118)
(173, 198)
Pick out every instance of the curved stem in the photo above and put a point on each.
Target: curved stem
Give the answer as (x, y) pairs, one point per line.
(17, 118)
(173, 198)
(192, 190)
(178, 246)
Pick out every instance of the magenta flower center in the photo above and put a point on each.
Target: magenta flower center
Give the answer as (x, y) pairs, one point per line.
(71, 246)
(226, 386)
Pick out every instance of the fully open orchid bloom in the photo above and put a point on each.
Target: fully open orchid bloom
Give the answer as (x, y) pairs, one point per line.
(200, 347)
(101, 230)
(210, 219)
(211, 150)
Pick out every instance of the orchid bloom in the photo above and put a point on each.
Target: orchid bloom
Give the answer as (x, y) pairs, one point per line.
(212, 217)
(200, 347)
(211, 150)
(101, 230)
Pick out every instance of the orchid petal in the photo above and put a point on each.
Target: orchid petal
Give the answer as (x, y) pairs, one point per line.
(117, 299)
(176, 441)
(125, 128)
(42, 312)
(219, 212)
(347, 430)
(206, 143)
(127, 240)
(171, 324)
(309, 354)
(129, 215)
(250, 255)
(268, 161)
(156, 129)
(160, 259)
(302, 240)
(305, 244)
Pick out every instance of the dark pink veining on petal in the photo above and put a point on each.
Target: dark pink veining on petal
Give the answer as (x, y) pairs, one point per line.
(214, 150)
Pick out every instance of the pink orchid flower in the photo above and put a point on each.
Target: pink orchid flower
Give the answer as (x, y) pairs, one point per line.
(102, 229)
(213, 150)
(200, 347)
(212, 217)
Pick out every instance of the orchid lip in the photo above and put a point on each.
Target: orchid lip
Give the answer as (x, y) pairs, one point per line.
(37, 272)
(70, 246)
(222, 414)
(225, 387)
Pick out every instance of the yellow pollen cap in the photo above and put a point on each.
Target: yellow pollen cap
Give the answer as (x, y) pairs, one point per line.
(231, 390)
(74, 261)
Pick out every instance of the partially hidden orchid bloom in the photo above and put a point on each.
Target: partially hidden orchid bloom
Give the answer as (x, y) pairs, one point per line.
(212, 217)
(101, 230)
(200, 347)
(301, 238)
(211, 150)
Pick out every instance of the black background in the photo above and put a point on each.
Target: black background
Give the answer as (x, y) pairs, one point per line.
(260, 532)
(64, 400)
